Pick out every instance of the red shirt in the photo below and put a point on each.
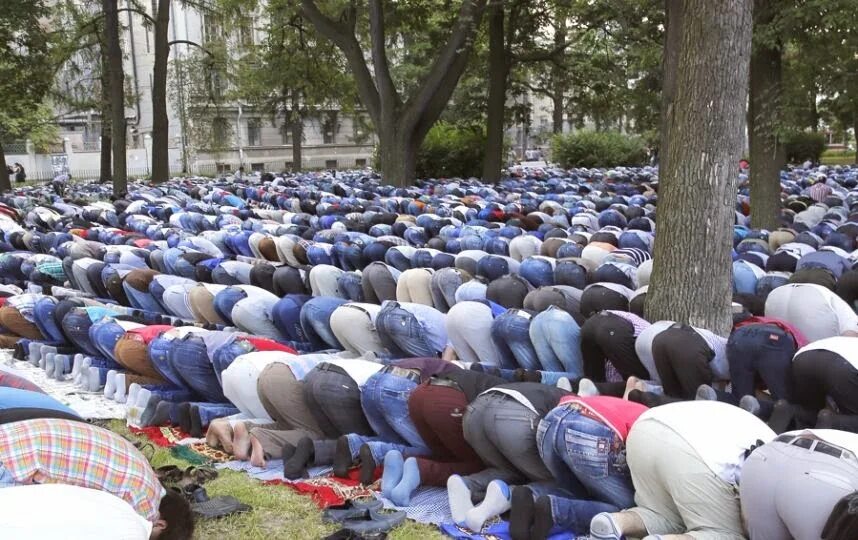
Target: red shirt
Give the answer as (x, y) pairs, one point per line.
(148, 333)
(618, 414)
(797, 336)
(263, 344)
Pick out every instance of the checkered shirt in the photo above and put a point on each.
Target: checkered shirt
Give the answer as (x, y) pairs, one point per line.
(51, 451)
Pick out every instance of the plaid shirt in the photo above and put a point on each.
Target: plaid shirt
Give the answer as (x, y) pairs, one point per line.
(54, 451)
(53, 269)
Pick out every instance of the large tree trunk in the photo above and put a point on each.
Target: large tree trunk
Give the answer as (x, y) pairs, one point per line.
(767, 153)
(558, 84)
(398, 157)
(669, 62)
(297, 127)
(117, 96)
(105, 174)
(5, 181)
(691, 280)
(498, 73)
(160, 121)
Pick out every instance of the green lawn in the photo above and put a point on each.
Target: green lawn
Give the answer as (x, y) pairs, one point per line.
(278, 512)
(840, 159)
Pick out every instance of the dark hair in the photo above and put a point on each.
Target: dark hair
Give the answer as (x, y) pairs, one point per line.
(176, 511)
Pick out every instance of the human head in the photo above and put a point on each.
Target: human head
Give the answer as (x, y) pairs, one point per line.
(175, 521)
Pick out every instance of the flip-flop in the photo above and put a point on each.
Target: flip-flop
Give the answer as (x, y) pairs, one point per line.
(169, 474)
(200, 474)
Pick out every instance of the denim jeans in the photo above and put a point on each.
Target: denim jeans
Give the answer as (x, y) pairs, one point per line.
(226, 354)
(538, 271)
(159, 354)
(511, 334)
(76, 325)
(43, 314)
(104, 335)
(189, 358)
(443, 288)
(401, 333)
(254, 316)
(557, 339)
(384, 399)
(570, 442)
(286, 314)
(350, 287)
(142, 300)
(225, 300)
(761, 351)
(316, 322)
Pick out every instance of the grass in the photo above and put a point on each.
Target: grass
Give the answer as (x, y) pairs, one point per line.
(841, 159)
(278, 513)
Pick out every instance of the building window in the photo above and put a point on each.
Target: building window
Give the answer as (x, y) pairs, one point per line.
(286, 132)
(245, 32)
(257, 167)
(330, 126)
(220, 130)
(360, 163)
(330, 163)
(288, 165)
(223, 168)
(211, 28)
(360, 130)
(254, 132)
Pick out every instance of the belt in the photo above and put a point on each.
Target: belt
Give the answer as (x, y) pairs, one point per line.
(408, 373)
(324, 366)
(436, 381)
(814, 444)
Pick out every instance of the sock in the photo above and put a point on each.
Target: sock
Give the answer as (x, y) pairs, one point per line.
(367, 465)
(495, 504)
(119, 395)
(392, 473)
(401, 494)
(587, 388)
(296, 467)
(287, 452)
(76, 366)
(94, 380)
(706, 393)
(543, 519)
(459, 496)
(49, 363)
(110, 385)
(184, 413)
(196, 422)
(132, 396)
(61, 365)
(34, 351)
(139, 406)
(83, 375)
(161, 416)
(342, 458)
(521, 513)
(564, 383)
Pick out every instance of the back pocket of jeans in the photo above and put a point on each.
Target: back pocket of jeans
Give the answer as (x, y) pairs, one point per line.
(588, 453)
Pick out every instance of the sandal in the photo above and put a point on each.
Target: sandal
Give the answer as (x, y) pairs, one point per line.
(169, 474)
(200, 474)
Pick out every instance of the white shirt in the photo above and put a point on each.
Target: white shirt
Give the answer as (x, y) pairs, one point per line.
(843, 439)
(76, 513)
(718, 432)
(846, 347)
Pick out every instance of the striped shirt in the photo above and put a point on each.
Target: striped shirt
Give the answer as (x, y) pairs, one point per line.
(819, 191)
(718, 344)
(638, 323)
(52, 269)
(25, 304)
(51, 451)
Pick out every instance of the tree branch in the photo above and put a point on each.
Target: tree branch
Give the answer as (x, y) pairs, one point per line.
(192, 43)
(379, 54)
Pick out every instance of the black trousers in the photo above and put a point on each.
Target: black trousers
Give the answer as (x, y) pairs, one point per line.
(682, 360)
(818, 374)
(598, 298)
(334, 399)
(607, 336)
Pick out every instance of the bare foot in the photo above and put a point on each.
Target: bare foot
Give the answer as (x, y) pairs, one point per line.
(219, 435)
(257, 455)
(633, 383)
(241, 441)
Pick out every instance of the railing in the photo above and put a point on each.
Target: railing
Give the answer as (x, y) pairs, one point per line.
(15, 148)
(80, 175)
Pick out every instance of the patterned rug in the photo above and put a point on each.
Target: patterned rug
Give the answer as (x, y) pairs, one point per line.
(182, 445)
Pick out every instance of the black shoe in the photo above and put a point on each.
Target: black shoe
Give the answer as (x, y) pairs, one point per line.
(521, 513)
(161, 414)
(825, 419)
(543, 520)
(296, 467)
(287, 452)
(19, 353)
(367, 465)
(342, 458)
(782, 416)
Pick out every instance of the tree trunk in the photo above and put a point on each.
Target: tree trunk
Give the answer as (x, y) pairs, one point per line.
(105, 174)
(160, 121)
(670, 58)
(297, 127)
(117, 96)
(5, 181)
(498, 73)
(398, 157)
(814, 111)
(855, 127)
(767, 153)
(691, 279)
(558, 84)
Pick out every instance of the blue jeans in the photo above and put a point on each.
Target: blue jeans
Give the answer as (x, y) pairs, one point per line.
(316, 322)
(402, 334)
(557, 339)
(511, 334)
(159, 354)
(287, 316)
(384, 399)
(104, 335)
(226, 354)
(539, 272)
(43, 313)
(225, 300)
(76, 325)
(349, 285)
(761, 351)
(570, 442)
(142, 300)
(190, 360)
